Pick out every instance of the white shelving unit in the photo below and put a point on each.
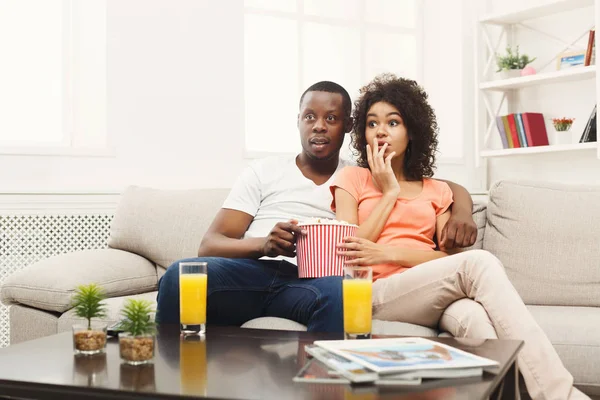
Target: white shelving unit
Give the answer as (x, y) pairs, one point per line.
(568, 75)
(538, 149)
(485, 50)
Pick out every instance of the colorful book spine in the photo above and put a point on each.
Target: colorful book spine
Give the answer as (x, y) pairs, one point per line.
(500, 125)
(507, 132)
(535, 125)
(590, 47)
(521, 130)
(513, 130)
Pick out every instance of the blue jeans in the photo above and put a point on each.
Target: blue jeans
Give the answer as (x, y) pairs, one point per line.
(242, 289)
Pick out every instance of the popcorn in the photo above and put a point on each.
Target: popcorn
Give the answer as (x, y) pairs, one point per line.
(323, 221)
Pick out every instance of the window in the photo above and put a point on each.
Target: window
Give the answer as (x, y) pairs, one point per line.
(53, 76)
(291, 44)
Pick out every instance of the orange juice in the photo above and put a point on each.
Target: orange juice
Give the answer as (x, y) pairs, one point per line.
(192, 366)
(192, 298)
(357, 305)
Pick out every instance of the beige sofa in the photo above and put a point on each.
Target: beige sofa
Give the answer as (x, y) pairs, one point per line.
(547, 236)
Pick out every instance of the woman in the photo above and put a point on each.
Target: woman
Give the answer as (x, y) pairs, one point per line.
(399, 210)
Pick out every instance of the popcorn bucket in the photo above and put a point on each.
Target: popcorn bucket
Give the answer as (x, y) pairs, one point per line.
(316, 251)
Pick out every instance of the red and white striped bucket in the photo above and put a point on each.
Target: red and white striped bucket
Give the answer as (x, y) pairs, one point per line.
(316, 251)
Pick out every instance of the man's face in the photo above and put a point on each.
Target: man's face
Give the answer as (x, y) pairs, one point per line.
(322, 124)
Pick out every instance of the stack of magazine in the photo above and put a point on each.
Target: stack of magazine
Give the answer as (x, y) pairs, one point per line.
(397, 361)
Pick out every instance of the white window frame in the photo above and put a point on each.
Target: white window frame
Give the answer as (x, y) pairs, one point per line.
(361, 24)
(66, 146)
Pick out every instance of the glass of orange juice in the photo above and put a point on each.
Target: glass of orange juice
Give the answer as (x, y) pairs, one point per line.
(357, 293)
(192, 297)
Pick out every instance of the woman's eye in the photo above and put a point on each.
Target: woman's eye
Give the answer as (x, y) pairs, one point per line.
(371, 124)
(309, 117)
(394, 123)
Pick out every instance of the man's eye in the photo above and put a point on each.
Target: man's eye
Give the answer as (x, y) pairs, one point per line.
(331, 118)
(372, 124)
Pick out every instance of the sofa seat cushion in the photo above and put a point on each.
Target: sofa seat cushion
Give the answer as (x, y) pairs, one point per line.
(113, 305)
(546, 235)
(574, 334)
(49, 284)
(278, 324)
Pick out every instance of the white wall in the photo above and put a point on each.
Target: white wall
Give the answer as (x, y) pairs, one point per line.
(448, 78)
(175, 103)
(574, 99)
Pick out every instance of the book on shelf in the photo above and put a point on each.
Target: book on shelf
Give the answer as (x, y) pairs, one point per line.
(522, 130)
(513, 131)
(500, 126)
(590, 58)
(507, 131)
(535, 128)
(590, 131)
(406, 355)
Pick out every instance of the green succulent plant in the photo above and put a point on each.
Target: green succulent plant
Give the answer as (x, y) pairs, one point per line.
(87, 302)
(513, 60)
(137, 317)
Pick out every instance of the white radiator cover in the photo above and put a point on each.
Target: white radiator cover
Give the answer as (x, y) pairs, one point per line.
(31, 231)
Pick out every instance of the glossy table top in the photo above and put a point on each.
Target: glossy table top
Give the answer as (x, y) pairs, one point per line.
(229, 363)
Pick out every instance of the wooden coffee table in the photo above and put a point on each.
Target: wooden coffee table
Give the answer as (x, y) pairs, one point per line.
(231, 363)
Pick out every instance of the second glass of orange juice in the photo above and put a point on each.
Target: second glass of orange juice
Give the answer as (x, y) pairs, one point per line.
(192, 297)
(357, 294)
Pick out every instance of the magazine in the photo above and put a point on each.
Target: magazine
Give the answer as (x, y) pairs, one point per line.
(351, 370)
(387, 356)
(316, 372)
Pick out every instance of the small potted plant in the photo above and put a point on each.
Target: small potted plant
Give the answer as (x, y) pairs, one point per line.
(87, 304)
(561, 130)
(512, 64)
(562, 124)
(136, 341)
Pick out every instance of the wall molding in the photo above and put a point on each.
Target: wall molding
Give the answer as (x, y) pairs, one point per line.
(58, 203)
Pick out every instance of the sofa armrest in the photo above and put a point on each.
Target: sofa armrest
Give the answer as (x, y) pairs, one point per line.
(49, 284)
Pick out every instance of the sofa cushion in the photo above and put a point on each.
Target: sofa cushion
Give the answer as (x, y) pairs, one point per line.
(573, 332)
(164, 225)
(278, 324)
(113, 305)
(49, 284)
(546, 235)
(401, 329)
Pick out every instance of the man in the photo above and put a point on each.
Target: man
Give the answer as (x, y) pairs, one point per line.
(250, 245)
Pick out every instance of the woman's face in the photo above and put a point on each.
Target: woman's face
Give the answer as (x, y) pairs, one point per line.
(385, 124)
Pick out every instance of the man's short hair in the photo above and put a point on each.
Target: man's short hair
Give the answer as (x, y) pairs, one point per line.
(331, 87)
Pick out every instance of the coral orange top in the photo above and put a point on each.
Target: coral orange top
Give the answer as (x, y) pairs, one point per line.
(411, 223)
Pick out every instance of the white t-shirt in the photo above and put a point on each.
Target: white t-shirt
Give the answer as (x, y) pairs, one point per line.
(274, 190)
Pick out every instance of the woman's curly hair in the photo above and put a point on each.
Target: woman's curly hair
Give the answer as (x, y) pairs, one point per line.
(418, 116)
